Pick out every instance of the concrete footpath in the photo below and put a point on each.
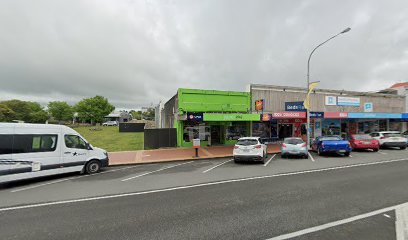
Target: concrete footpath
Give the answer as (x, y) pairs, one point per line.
(174, 154)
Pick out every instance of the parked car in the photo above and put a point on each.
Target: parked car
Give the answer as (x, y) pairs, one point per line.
(364, 141)
(38, 150)
(405, 135)
(331, 144)
(294, 147)
(110, 123)
(390, 139)
(250, 149)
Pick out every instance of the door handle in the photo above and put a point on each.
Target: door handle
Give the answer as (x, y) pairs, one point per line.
(67, 152)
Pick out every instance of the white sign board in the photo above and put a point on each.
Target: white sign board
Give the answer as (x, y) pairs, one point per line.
(196, 143)
(331, 101)
(368, 107)
(348, 101)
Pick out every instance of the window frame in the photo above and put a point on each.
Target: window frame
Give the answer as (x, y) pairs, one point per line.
(79, 137)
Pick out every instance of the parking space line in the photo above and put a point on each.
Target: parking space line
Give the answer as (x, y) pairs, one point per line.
(311, 157)
(337, 223)
(67, 179)
(217, 165)
(383, 153)
(266, 164)
(161, 169)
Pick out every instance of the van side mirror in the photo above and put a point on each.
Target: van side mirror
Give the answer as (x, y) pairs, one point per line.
(88, 146)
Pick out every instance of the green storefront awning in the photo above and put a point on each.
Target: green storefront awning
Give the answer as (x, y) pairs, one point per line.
(231, 117)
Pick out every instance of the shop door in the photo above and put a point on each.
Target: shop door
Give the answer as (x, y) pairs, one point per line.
(216, 135)
(285, 130)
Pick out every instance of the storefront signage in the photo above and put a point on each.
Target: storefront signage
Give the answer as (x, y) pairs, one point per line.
(348, 101)
(259, 105)
(293, 120)
(266, 117)
(335, 115)
(404, 115)
(197, 117)
(289, 115)
(230, 117)
(331, 101)
(295, 106)
(374, 115)
(316, 114)
(368, 107)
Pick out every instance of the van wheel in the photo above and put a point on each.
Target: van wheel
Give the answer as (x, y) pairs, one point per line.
(92, 167)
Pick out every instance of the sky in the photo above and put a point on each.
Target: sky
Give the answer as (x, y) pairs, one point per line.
(139, 52)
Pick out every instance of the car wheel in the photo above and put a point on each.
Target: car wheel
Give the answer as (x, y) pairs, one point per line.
(376, 149)
(319, 152)
(403, 148)
(92, 167)
(347, 154)
(235, 160)
(305, 156)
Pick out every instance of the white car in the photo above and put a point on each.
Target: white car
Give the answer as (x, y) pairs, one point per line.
(250, 149)
(390, 139)
(110, 123)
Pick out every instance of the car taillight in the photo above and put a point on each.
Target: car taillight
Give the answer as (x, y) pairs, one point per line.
(283, 145)
(236, 147)
(303, 145)
(382, 137)
(258, 146)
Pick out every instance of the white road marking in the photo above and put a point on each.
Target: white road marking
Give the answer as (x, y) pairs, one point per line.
(386, 215)
(147, 173)
(350, 156)
(266, 164)
(337, 223)
(311, 157)
(401, 223)
(217, 166)
(383, 153)
(67, 179)
(194, 186)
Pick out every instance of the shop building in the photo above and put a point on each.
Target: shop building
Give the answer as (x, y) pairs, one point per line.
(333, 112)
(215, 117)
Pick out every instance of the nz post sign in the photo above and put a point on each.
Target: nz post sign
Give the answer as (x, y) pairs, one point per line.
(195, 117)
(295, 107)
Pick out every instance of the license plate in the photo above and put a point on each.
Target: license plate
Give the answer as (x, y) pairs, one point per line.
(342, 151)
(293, 152)
(366, 143)
(246, 150)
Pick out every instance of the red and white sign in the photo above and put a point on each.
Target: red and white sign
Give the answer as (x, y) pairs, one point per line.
(335, 115)
(289, 115)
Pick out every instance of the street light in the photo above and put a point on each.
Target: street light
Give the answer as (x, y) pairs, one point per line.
(308, 82)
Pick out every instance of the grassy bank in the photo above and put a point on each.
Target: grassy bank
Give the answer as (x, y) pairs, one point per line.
(110, 139)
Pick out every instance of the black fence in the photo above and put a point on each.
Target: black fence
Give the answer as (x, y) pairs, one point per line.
(131, 127)
(160, 137)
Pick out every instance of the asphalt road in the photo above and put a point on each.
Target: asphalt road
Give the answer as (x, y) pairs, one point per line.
(213, 200)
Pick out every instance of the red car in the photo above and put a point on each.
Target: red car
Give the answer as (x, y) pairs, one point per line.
(364, 141)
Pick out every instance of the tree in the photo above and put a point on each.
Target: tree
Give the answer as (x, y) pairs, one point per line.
(149, 114)
(93, 109)
(31, 112)
(136, 114)
(6, 114)
(60, 111)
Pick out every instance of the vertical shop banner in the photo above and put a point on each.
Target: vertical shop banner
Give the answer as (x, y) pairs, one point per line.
(295, 107)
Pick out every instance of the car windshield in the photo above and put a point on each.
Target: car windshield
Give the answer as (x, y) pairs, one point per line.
(333, 138)
(293, 141)
(247, 142)
(362, 137)
(392, 135)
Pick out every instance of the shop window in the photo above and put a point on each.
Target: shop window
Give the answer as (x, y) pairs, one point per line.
(382, 125)
(236, 131)
(192, 131)
(395, 126)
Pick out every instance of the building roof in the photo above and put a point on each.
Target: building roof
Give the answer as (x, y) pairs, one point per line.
(400, 85)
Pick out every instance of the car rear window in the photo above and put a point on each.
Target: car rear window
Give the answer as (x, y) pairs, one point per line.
(392, 135)
(247, 142)
(362, 137)
(330, 139)
(293, 141)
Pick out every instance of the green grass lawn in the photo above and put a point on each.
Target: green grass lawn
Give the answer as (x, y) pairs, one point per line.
(110, 139)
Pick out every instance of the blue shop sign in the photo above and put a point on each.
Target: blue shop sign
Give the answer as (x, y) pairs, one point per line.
(317, 114)
(294, 107)
(198, 117)
(404, 116)
(375, 115)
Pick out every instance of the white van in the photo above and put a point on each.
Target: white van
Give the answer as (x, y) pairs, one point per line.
(35, 150)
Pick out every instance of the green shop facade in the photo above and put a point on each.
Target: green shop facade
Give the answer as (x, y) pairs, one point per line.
(215, 117)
